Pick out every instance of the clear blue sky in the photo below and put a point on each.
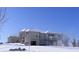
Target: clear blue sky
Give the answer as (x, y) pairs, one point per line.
(65, 20)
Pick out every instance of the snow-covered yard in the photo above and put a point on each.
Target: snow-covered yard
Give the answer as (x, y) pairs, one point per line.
(5, 48)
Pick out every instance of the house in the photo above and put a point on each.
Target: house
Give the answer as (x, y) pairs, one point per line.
(30, 37)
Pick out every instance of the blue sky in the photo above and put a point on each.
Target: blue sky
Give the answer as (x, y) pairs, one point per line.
(59, 19)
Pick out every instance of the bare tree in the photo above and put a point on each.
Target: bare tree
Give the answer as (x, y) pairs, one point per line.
(2, 16)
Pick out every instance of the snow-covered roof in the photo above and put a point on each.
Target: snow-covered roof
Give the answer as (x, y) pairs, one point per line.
(35, 30)
(46, 32)
(26, 30)
(38, 30)
(23, 29)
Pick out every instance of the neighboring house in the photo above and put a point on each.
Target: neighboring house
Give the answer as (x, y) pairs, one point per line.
(13, 39)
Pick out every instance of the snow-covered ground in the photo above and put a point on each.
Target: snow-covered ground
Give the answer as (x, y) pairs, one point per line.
(5, 48)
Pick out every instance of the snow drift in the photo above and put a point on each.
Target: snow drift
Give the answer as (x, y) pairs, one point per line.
(7, 46)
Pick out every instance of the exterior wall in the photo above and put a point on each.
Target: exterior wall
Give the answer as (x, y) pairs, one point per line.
(43, 39)
(27, 37)
(32, 36)
(22, 36)
(53, 39)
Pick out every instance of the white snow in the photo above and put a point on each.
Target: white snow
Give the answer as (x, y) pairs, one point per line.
(35, 30)
(5, 48)
(23, 29)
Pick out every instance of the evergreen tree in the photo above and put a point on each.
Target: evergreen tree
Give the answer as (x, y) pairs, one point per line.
(74, 43)
(78, 43)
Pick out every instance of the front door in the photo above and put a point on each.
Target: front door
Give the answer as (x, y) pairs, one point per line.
(33, 42)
